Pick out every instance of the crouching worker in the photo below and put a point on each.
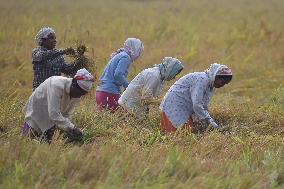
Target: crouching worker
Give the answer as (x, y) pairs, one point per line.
(191, 95)
(147, 85)
(51, 104)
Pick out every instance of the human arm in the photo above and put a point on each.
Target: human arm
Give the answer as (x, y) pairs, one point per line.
(200, 108)
(121, 71)
(71, 69)
(150, 90)
(153, 101)
(54, 98)
(74, 134)
(69, 51)
(40, 55)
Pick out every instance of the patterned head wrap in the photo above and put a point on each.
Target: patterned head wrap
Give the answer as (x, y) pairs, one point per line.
(217, 69)
(43, 34)
(169, 68)
(132, 46)
(224, 71)
(84, 79)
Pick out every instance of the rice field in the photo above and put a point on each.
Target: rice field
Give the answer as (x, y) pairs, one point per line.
(245, 35)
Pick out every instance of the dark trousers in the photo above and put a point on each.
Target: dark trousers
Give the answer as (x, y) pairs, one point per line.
(28, 131)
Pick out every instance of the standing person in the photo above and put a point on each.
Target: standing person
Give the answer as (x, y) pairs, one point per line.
(51, 104)
(115, 74)
(148, 84)
(191, 95)
(47, 60)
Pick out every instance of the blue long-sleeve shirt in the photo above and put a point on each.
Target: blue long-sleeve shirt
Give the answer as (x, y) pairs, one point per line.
(115, 73)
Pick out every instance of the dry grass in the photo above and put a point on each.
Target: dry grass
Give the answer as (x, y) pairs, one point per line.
(245, 35)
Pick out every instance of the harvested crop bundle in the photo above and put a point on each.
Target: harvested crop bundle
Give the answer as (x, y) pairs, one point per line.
(82, 60)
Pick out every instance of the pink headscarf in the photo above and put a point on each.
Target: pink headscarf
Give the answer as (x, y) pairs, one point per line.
(84, 79)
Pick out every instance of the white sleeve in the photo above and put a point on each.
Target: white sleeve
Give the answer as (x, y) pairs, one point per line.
(150, 87)
(206, 102)
(54, 96)
(199, 107)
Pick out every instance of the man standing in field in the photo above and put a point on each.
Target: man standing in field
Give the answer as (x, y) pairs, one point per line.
(51, 104)
(47, 60)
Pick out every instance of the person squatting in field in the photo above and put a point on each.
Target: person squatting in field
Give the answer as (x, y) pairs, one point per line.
(147, 85)
(51, 104)
(190, 95)
(115, 74)
(47, 60)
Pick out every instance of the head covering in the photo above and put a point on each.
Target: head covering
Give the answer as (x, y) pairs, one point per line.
(224, 71)
(84, 79)
(169, 68)
(43, 34)
(132, 46)
(217, 69)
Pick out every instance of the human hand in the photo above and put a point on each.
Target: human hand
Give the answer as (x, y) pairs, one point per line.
(148, 101)
(214, 125)
(81, 49)
(156, 101)
(81, 62)
(74, 134)
(225, 130)
(69, 51)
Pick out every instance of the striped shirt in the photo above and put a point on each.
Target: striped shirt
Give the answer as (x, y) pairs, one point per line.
(47, 63)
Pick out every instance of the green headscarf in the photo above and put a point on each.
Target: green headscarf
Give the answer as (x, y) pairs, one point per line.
(169, 68)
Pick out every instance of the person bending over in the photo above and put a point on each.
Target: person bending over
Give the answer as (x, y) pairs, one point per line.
(190, 95)
(115, 74)
(147, 86)
(51, 105)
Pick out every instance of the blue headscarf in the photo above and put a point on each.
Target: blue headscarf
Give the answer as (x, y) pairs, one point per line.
(169, 68)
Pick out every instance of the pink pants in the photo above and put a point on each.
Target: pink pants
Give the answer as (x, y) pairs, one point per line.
(107, 100)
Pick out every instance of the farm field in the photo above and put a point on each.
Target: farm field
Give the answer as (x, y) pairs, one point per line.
(247, 36)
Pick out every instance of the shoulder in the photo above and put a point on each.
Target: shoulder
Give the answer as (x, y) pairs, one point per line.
(59, 82)
(120, 57)
(201, 75)
(59, 79)
(194, 79)
(36, 50)
(200, 80)
(123, 55)
(197, 76)
(152, 73)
